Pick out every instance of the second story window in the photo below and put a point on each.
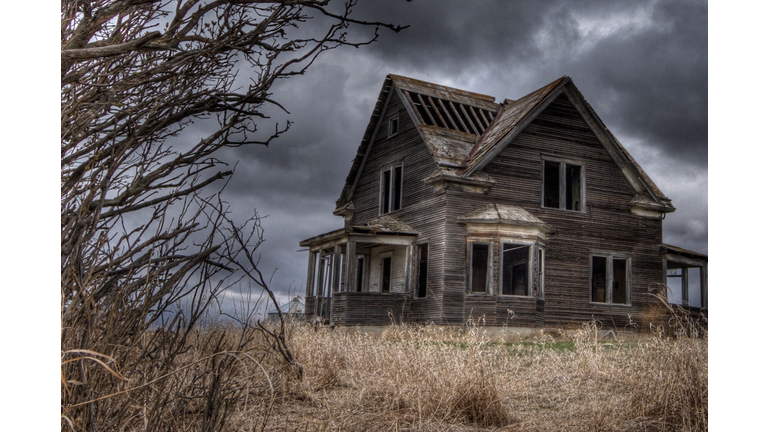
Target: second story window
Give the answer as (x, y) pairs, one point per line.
(391, 197)
(563, 185)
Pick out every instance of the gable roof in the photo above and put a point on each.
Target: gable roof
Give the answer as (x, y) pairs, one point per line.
(464, 131)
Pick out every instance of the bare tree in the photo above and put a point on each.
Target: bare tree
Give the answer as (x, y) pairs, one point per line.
(138, 234)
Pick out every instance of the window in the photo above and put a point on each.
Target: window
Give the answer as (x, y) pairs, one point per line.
(610, 280)
(386, 272)
(684, 285)
(541, 274)
(515, 269)
(421, 289)
(480, 263)
(563, 185)
(394, 125)
(360, 273)
(391, 198)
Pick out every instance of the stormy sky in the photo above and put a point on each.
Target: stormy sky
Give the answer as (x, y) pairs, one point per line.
(641, 65)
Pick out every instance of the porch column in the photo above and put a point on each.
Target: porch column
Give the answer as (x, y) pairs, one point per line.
(311, 274)
(334, 279)
(349, 279)
(704, 286)
(409, 268)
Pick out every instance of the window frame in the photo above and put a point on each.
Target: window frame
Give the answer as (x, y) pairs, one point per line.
(529, 277)
(562, 188)
(541, 269)
(489, 267)
(610, 256)
(391, 188)
(394, 119)
(685, 288)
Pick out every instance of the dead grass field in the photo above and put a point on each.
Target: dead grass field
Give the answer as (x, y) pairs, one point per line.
(421, 378)
(427, 378)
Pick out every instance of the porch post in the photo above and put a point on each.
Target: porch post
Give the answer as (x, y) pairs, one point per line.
(334, 279)
(349, 279)
(409, 268)
(311, 274)
(704, 286)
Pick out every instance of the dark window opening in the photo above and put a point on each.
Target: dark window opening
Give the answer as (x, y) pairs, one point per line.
(391, 189)
(423, 268)
(610, 280)
(479, 271)
(619, 281)
(514, 277)
(599, 274)
(541, 273)
(386, 273)
(397, 183)
(572, 187)
(563, 186)
(551, 184)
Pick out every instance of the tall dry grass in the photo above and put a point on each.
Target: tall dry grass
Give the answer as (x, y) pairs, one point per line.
(430, 378)
(420, 378)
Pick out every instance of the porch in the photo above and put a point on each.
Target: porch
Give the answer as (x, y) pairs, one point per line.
(360, 274)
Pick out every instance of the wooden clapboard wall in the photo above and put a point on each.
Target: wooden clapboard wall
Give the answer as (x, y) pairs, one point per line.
(421, 209)
(607, 225)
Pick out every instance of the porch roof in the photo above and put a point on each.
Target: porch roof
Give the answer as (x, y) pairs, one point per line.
(675, 250)
(384, 225)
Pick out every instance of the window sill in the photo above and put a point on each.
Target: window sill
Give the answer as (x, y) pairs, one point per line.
(516, 296)
(564, 210)
(610, 304)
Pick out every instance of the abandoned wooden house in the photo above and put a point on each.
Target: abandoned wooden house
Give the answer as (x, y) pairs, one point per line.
(527, 212)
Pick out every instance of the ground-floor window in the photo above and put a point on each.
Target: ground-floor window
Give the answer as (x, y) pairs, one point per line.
(610, 279)
(479, 268)
(386, 272)
(540, 266)
(421, 281)
(515, 269)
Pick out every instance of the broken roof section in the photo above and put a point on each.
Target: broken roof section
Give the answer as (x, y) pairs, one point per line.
(464, 131)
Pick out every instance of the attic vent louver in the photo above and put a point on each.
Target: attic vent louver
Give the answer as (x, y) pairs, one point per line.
(451, 115)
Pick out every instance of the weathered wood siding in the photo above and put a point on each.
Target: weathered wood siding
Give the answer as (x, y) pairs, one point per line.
(421, 209)
(606, 225)
(352, 308)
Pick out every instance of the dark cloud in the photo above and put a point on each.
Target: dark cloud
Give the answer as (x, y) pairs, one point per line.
(641, 65)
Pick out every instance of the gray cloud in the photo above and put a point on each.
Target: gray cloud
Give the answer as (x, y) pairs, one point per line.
(641, 65)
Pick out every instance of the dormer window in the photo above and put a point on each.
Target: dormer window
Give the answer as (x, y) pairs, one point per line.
(563, 185)
(391, 197)
(394, 126)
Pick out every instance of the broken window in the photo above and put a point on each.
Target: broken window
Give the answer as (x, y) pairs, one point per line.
(563, 185)
(394, 125)
(386, 273)
(610, 280)
(515, 269)
(391, 198)
(684, 283)
(421, 289)
(434, 111)
(479, 267)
